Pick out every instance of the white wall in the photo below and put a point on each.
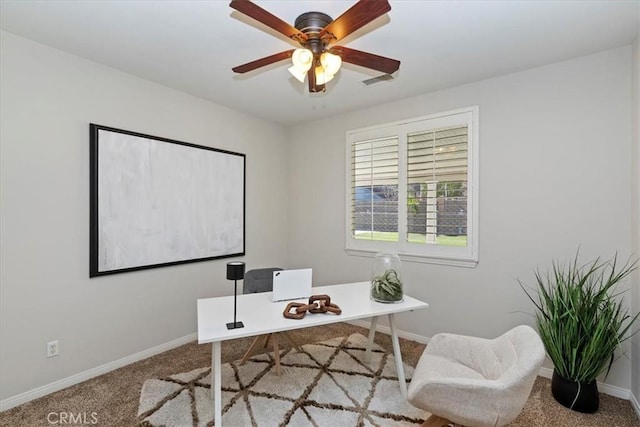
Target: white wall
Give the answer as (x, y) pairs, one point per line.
(555, 142)
(48, 100)
(635, 213)
(554, 174)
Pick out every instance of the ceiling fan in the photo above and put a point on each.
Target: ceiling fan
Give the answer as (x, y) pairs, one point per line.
(316, 32)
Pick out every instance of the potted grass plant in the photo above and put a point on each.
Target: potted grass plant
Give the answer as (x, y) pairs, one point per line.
(582, 323)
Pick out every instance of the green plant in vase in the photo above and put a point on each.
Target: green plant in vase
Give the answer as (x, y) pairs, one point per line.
(582, 322)
(387, 287)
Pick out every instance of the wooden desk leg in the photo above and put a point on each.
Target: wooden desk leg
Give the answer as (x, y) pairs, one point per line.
(262, 339)
(276, 353)
(216, 383)
(372, 335)
(398, 355)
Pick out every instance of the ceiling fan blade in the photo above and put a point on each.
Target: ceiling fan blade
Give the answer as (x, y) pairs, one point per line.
(259, 14)
(354, 18)
(365, 59)
(250, 66)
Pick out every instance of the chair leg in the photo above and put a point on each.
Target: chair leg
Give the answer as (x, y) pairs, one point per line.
(263, 340)
(292, 342)
(436, 421)
(260, 339)
(276, 353)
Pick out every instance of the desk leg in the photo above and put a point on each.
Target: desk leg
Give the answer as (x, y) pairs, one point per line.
(372, 334)
(216, 383)
(398, 355)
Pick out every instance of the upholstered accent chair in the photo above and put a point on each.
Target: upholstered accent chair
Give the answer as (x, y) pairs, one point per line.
(256, 281)
(476, 382)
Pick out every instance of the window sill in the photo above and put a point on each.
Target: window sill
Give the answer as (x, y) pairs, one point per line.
(454, 262)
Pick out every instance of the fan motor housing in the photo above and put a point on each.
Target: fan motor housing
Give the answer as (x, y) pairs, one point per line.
(312, 22)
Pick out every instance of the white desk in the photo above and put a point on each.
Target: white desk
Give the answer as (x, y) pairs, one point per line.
(261, 316)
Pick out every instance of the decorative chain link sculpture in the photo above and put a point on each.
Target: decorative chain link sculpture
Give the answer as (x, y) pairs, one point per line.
(317, 304)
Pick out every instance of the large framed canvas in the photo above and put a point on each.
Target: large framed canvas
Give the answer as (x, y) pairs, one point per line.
(157, 202)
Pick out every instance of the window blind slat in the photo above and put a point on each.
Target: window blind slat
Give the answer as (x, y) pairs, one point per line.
(437, 166)
(374, 177)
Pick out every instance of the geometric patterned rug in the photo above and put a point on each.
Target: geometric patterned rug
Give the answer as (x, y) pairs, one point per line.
(327, 384)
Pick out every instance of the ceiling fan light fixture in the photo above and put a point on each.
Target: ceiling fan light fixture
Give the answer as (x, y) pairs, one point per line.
(298, 73)
(314, 32)
(322, 76)
(302, 59)
(330, 62)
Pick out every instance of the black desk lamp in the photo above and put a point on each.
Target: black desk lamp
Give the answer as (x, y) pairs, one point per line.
(235, 272)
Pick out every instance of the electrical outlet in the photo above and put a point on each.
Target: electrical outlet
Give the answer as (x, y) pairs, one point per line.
(52, 348)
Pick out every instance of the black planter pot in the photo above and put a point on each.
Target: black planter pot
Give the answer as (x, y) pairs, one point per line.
(579, 397)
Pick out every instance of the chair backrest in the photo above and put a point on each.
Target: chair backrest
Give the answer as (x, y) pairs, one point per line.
(519, 353)
(259, 280)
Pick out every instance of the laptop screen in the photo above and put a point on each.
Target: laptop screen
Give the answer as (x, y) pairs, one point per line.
(291, 284)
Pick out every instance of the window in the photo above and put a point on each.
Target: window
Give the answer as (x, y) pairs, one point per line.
(412, 189)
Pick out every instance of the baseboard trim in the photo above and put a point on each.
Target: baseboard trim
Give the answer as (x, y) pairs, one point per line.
(27, 396)
(634, 403)
(387, 330)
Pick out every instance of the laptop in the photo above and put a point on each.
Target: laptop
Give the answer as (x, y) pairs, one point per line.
(291, 284)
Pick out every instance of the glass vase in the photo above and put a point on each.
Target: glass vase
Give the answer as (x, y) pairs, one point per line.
(386, 279)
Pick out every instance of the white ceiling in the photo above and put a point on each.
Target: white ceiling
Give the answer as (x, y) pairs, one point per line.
(192, 45)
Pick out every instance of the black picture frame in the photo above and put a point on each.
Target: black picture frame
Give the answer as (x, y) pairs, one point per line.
(157, 202)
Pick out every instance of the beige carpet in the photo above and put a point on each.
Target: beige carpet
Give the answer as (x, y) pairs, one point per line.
(114, 397)
(328, 383)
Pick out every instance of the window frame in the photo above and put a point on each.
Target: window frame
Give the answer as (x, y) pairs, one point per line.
(434, 254)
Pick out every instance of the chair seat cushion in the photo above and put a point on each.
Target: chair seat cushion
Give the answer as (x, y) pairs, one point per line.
(444, 368)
